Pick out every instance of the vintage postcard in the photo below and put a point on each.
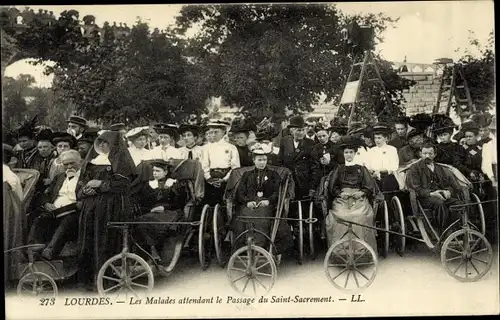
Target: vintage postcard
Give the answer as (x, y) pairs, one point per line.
(249, 160)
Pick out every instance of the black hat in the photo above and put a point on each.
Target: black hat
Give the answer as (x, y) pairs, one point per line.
(297, 122)
(382, 128)
(402, 120)
(482, 120)
(414, 132)
(319, 127)
(356, 127)
(117, 126)
(443, 124)
(165, 128)
(159, 163)
(353, 142)
(421, 121)
(469, 126)
(77, 120)
(28, 129)
(63, 137)
(46, 135)
(239, 126)
(89, 135)
(189, 127)
(338, 125)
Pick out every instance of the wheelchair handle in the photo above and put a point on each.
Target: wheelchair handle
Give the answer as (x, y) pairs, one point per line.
(126, 224)
(23, 247)
(308, 220)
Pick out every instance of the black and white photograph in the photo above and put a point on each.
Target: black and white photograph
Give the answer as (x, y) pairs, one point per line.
(180, 161)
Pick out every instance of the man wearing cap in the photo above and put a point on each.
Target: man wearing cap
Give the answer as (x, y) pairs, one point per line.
(58, 222)
(76, 126)
(190, 134)
(42, 159)
(416, 138)
(219, 158)
(166, 135)
(295, 154)
(63, 142)
(139, 139)
(382, 160)
(87, 141)
(8, 176)
(448, 152)
(400, 138)
(240, 133)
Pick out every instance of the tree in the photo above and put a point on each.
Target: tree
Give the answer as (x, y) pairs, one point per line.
(479, 72)
(277, 56)
(140, 77)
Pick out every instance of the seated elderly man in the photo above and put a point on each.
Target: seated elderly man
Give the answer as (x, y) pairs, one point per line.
(436, 189)
(58, 222)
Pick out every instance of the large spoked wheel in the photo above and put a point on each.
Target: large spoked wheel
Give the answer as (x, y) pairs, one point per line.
(399, 225)
(301, 234)
(37, 284)
(466, 255)
(220, 231)
(124, 273)
(480, 212)
(311, 231)
(251, 264)
(204, 239)
(348, 257)
(383, 223)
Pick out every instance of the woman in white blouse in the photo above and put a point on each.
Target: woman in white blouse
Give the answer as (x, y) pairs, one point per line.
(382, 160)
(139, 138)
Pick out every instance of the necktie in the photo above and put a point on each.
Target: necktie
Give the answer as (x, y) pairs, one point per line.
(190, 155)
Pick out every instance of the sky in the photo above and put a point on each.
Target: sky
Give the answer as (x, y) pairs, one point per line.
(425, 30)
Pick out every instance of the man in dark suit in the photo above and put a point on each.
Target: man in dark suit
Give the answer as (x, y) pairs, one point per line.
(325, 157)
(435, 188)
(295, 154)
(58, 221)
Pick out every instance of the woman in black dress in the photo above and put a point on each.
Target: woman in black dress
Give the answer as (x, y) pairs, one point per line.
(103, 189)
(162, 200)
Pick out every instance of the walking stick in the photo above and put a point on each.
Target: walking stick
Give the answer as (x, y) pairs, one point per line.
(281, 204)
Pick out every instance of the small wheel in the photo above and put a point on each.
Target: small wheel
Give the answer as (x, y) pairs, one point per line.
(37, 284)
(466, 255)
(301, 234)
(480, 211)
(220, 231)
(311, 231)
(351, 256)
(399, 225)
(203, 239)
(251, 264)
(125, 272)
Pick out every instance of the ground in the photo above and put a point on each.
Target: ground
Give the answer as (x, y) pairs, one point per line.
(413, 284)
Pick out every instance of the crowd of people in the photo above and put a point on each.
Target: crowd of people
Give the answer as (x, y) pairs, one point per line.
(121, 174)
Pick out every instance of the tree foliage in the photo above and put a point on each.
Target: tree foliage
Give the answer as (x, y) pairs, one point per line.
(278, 56)
(479, 71)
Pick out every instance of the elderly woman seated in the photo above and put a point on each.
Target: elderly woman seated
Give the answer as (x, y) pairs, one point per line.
(257, 196)
(350, 189)
(163, 199)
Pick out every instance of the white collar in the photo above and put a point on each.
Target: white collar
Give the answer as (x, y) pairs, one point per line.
(164, 148)
(168, 183)
(350, 164)
(101, 159)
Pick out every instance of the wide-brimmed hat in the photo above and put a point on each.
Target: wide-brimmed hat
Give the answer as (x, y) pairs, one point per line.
(240, 126)
(297, 122)
(414, 132)
(77, 120)
(443, 124)
(402, 120)
(165, 128)
(350, 141)
(45, 135)
(159, 163)
(381, 128)
(194, 129)
(63, 137)
(260, 149)
(421, 121)
(356, 128)
(137, 132)
(218, 124)
(469, 126)
(117, 126)
(338, 125)
(89, 135)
